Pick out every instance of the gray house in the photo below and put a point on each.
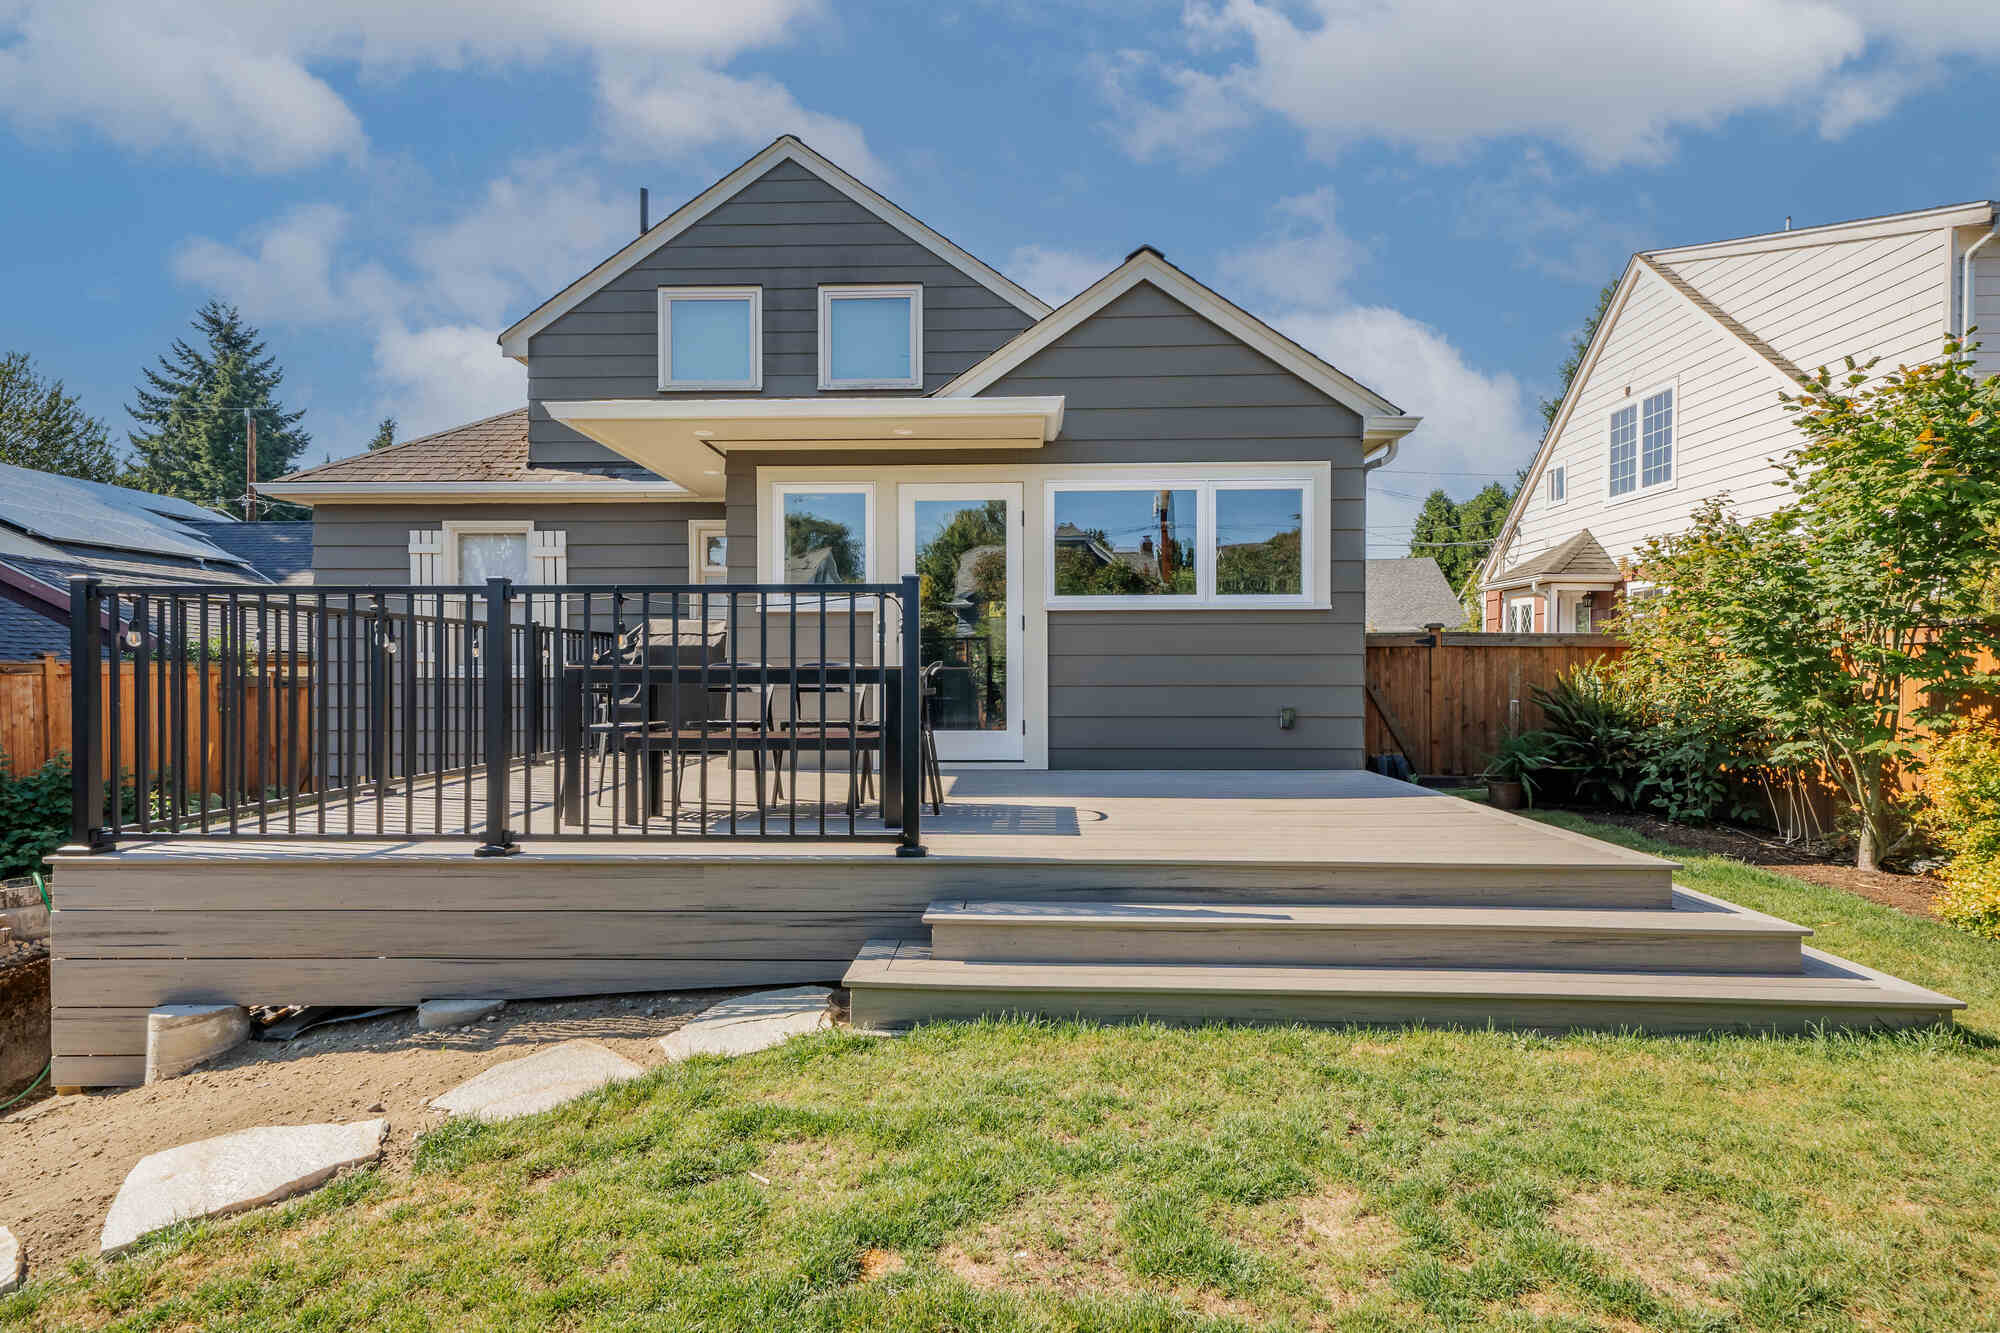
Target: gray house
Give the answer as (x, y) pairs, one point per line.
(790, 379)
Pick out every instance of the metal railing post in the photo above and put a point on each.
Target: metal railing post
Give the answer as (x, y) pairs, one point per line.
(494, 661)
(910, 685)
(86, 717)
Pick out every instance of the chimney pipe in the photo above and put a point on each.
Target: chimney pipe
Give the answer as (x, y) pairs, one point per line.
(1788, 222)
(644, 212)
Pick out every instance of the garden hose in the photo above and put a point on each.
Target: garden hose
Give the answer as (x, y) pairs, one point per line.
(42, 885)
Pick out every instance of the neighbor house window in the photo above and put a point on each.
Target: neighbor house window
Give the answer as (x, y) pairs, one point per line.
(711, 338)
(825, 534)
(1558, 486)
(1214, 543)
(1521, 615)
(1642, 444)
(871, 337)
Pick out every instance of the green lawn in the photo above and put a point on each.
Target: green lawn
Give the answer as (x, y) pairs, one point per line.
(1024, 1176)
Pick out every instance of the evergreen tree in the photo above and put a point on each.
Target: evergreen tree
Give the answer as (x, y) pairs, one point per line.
(1578, 345)
(190, 410)
(385, 435)
(1434, 532)
(43, 426)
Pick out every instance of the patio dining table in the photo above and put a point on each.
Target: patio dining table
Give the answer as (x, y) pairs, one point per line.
(681, 698)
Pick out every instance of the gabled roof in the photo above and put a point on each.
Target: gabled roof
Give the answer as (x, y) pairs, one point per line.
(485, 458)
(1382, 420)
(514, 342)
(281, 552)
(1404, 595)
(1582, 558)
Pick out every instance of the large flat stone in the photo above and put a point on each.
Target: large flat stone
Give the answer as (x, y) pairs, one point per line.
(537, 1082)
(435, 1014)
(12, 1268)
(751, 1023)
(181, 1036)
(234, 1172)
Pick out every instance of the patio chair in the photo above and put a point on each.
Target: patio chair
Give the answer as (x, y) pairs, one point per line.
(648, 746)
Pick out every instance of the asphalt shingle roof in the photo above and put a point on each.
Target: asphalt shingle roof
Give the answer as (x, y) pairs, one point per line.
(25, 634)
(1404, 595)
(281, 552)
(1581, 557)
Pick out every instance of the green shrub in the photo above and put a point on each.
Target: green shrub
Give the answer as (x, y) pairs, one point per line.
(34, 814)
(1526, 757)
(1962, 811)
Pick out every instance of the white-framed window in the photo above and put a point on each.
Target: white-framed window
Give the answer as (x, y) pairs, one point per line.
(1180, 541)
(476, 551)
(1641, 441)
(871, 337)
(1520, 615)
(1558, 485)
(711, 338)
(708, 550)
(824, 533)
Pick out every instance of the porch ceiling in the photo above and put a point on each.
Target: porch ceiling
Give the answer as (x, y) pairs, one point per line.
(685, 440)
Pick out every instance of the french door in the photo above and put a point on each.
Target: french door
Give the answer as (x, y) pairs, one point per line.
(964, 544)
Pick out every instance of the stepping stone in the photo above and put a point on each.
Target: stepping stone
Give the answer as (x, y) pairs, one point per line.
(751, 1023)
(11, 1266)
(181, 1036)
(435, 1014)
(537, 1082)
(234, 1172)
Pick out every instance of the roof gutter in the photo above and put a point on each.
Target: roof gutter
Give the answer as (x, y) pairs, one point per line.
(404, 492)
(1965, 310)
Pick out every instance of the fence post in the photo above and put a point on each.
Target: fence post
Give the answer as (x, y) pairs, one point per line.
(910, 686)
(86, 717)
(499, 681)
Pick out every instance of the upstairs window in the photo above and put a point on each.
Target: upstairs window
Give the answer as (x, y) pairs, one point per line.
(1642, 444)
(1558, 486)
(871, 337)
(711, 338)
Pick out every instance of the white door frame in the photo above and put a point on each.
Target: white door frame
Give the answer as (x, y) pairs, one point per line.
(1009, 745)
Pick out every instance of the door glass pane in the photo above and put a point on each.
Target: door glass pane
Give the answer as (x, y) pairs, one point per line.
(869, 337)
(1125, 543)
(826, 536)
(1257, 542)
(961, 551)
(710, 340)
(492, 555)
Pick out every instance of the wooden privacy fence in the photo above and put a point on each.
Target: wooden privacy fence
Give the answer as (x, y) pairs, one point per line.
(1445, 700)
(35, 721)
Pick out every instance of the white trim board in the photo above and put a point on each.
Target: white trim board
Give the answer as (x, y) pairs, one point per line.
(785, 148)
(1382, 420)
(418, 492)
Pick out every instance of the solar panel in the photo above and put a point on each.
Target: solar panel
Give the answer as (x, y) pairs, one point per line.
(91, 513)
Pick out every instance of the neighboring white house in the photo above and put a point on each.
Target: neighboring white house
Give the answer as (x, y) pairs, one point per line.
(1676, 400)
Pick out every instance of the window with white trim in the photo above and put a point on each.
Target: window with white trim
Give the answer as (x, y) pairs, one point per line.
(871, 337)
(1642, 444)
(1235, 542)
(1558, 486)
(711, 338)
(1520, 615)
(825, 534)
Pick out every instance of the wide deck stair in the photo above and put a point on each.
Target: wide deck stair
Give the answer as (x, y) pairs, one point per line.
(1554, 947)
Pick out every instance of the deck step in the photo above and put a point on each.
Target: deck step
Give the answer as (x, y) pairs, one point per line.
(895, 983)
(1697, 934)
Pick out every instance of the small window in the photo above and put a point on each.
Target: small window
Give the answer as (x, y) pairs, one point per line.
(1624, 450)
(1558, 486)
(826, 533)
(1642, 444)
(1521, 615)
(711, 338)
(1126, 543)
(1259, 541)
(871, 337)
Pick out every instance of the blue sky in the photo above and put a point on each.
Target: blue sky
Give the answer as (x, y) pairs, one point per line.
(1425, 195)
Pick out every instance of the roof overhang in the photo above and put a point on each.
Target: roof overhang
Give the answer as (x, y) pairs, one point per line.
(608, 491)
(1558, 582)
(686, 440)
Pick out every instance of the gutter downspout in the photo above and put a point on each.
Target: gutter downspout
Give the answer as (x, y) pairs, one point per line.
(1389, 454)
(1965, 311)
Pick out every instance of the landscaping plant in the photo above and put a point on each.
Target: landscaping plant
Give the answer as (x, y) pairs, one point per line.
(34, 814)
(1866, 590)
(1962, 811)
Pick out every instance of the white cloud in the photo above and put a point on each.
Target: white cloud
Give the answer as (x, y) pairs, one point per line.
(246, 82)
(1611, 82)
(1055, 274)
(673, 113)
(1307, 261)
(443, 375)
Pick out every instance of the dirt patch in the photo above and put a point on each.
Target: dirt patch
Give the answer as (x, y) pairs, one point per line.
(61, 1160)
(1681, 1246)
(1904, 892)
(24, 1018)
(880, 1263)
(1054, 1244)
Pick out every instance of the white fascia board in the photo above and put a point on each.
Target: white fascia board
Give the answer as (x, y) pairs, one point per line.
(418, 492)
(1147, 266)
(1048, 407)
(1860, 229)
(514, 341)
(1626, 283)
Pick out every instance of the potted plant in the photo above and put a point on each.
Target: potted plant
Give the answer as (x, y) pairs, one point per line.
(1510, 773)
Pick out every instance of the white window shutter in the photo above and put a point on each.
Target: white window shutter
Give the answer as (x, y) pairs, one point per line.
(548, 549)
(426, 556)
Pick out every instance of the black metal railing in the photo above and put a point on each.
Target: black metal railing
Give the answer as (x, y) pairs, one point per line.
(495, 714)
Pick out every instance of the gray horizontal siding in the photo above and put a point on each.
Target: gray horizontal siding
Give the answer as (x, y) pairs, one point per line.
(789, 233)
(641, 543)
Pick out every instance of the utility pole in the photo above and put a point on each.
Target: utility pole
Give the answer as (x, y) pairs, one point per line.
(249, 466)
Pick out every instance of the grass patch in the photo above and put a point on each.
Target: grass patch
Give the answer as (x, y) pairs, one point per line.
(1030, 1176)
